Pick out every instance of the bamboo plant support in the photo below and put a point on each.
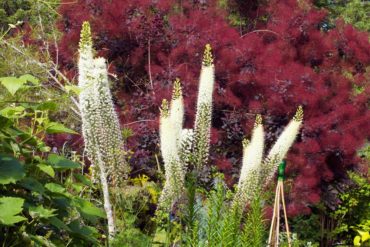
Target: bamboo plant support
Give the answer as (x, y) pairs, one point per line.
(273, 240)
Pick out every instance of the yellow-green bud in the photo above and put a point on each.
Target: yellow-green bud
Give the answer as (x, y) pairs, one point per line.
(258, 121)
(85, 38)
(176, 92)
(164, 109)
(298, 117)
(245, 142)
(207, 57)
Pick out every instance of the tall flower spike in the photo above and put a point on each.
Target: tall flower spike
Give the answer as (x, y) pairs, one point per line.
(100, 125)
(111, 141)
(252, 157)
(177, 109)
(281, 147)
(167, 134)
(170, 131)
(203, 115)
(92, 124)
(253, 152)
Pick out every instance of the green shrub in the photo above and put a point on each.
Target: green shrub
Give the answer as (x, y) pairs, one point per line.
(45, 198)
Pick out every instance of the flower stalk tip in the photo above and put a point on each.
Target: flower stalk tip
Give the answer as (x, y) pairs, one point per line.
(176, 92)
(85, 38)
(258, 121)
(164, 109)
(207, 57)
(298, 117)
(245, 142)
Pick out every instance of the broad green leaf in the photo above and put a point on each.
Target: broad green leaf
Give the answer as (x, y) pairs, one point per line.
(60, 163)
(357, 241)
(78, 187)
(83, 179)
(13, 112)
(11, 170)
(12, 84)
(59, 224)
(56, 188)
(45, 149)
(41, 212)
(32, 185)
(364, 235)
(88, 233)
(9, 208)
(46, 169)
(88, 210)
(30, 78)
(54, 128)
(47, 106)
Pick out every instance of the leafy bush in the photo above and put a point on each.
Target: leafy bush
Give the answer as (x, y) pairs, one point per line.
(355, 12)
(44, 196)
(353, 213)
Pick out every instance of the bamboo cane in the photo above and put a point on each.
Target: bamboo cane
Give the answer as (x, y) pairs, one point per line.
(273, 240)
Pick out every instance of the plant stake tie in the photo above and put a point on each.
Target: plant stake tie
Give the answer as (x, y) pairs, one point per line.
(275, 222)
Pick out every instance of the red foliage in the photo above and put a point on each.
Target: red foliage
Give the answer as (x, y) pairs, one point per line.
(289, 61)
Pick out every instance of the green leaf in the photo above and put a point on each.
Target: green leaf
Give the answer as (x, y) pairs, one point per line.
(12, 84)
(30, 78)
(364, 235)
(78, 187)
(41, 212)
(9, 208)
(32, 185)
(357, 241)
(61, 163)
(13, 112)
(11, 170)
(47, 106)
(57, 189)
(88, 210)
(46, 169)
(54, 128)
(58, 224)
(83, 179)
(88, 233)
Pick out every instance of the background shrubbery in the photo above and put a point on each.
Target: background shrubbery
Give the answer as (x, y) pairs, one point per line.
(267, 62)
(269, 67)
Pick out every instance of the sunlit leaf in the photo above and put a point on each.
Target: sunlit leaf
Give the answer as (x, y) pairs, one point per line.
(46, 169)
(60, 163)
(54, 128)
(30, 78)
(13, 84)
(10, 207)
(88, 210)
(41, 212)
(83, 179)
(57, 189)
